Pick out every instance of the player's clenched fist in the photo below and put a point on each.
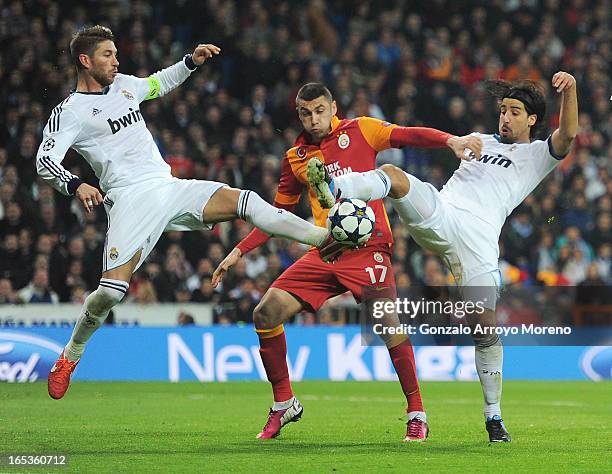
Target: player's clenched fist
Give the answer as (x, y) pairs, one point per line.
(204, 52)
(460, 144)
(224, 266)
(89, 196)
(563, 81)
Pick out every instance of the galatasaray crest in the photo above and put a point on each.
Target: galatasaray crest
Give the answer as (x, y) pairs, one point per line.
(344, 141)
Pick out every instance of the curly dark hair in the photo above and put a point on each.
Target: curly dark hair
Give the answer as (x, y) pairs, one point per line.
(530, 93)
(86, 40)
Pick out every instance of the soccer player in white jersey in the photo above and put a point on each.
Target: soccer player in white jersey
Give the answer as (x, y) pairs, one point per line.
(101, 120)
(462, 222)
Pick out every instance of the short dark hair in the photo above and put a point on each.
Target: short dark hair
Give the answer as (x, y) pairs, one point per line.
(313, 90)
(530, 93)
(85, 41)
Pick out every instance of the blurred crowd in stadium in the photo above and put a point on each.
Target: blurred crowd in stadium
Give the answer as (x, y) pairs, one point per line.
(412, 63)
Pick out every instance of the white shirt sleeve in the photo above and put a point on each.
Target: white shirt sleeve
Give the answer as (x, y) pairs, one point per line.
(160, 83)
(59, 135)
(544, 159)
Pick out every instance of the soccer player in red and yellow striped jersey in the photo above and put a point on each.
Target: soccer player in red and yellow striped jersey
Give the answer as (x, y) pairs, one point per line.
(343, 146)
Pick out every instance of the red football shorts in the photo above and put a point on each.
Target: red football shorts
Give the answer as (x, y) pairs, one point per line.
(356, 270)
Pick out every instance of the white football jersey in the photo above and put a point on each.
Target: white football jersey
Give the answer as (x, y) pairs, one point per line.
(108, 130)
(501, 179)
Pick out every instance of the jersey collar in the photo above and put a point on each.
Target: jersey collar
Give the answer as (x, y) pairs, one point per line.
(335, 122)
(102, 92)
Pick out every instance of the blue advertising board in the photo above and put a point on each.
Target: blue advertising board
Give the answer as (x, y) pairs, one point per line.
(220, 353)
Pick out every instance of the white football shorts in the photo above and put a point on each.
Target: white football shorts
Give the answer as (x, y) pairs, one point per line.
(466, 243)
(138, 215)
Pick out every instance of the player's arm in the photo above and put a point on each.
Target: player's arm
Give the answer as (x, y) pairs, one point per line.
(164, 81)
(287, 197)
(382, 135)
(563, 137)
(60, 133)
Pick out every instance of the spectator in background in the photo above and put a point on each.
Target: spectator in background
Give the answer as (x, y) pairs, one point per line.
(223, 123)
(604, 261)
(602, 233)
(185, 319)
(38, 290)
(572, 238)
(205, 293)
(7, 294)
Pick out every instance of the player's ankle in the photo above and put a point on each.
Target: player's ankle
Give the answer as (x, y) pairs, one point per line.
(283, 405)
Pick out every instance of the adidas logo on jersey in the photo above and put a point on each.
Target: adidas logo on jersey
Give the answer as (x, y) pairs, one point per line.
(95, 111)
(128, 119)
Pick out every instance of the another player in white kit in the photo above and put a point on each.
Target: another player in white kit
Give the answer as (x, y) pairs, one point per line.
(462, 223)
(101, 120)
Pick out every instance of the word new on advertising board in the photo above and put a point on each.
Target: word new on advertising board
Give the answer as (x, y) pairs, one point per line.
(232, 353)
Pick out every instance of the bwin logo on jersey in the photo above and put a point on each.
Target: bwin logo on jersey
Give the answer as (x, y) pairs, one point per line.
(122, 122)
(495, 160)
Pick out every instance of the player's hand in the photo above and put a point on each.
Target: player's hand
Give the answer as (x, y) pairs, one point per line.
(563, 81)
(460, 144)
(331, 249)
(89, 196)
(225, 265)
(204, 52)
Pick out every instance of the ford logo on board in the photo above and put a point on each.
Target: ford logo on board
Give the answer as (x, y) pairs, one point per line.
(26, 357)
(596, 363)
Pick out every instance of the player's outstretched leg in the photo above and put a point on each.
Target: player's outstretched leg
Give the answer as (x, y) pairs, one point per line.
(227, 204)
(368, 186)
(95, 310)
(275, 307)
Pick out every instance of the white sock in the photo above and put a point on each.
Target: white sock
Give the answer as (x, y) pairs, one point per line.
(489, 362)
(278, 222)
(367, 186)
(283, 405)
(421, 415)
(93, 313)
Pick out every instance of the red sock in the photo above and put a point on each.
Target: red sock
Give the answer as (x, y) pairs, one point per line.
(402, 356)
(273, 351)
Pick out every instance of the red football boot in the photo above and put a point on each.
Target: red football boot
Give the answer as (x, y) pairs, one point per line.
(59, 377)
(417, 430)
(279, 418)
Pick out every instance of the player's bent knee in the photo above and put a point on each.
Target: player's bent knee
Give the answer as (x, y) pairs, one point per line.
(400, 184)
(263, 317)
(105, 298)
(271, 311)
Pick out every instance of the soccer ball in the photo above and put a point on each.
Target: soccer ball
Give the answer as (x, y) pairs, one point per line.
(351, 221)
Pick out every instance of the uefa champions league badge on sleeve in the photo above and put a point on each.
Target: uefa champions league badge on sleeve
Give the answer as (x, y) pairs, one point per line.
(49, 143)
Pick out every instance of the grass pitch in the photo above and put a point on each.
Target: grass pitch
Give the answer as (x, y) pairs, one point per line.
(346, 427)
